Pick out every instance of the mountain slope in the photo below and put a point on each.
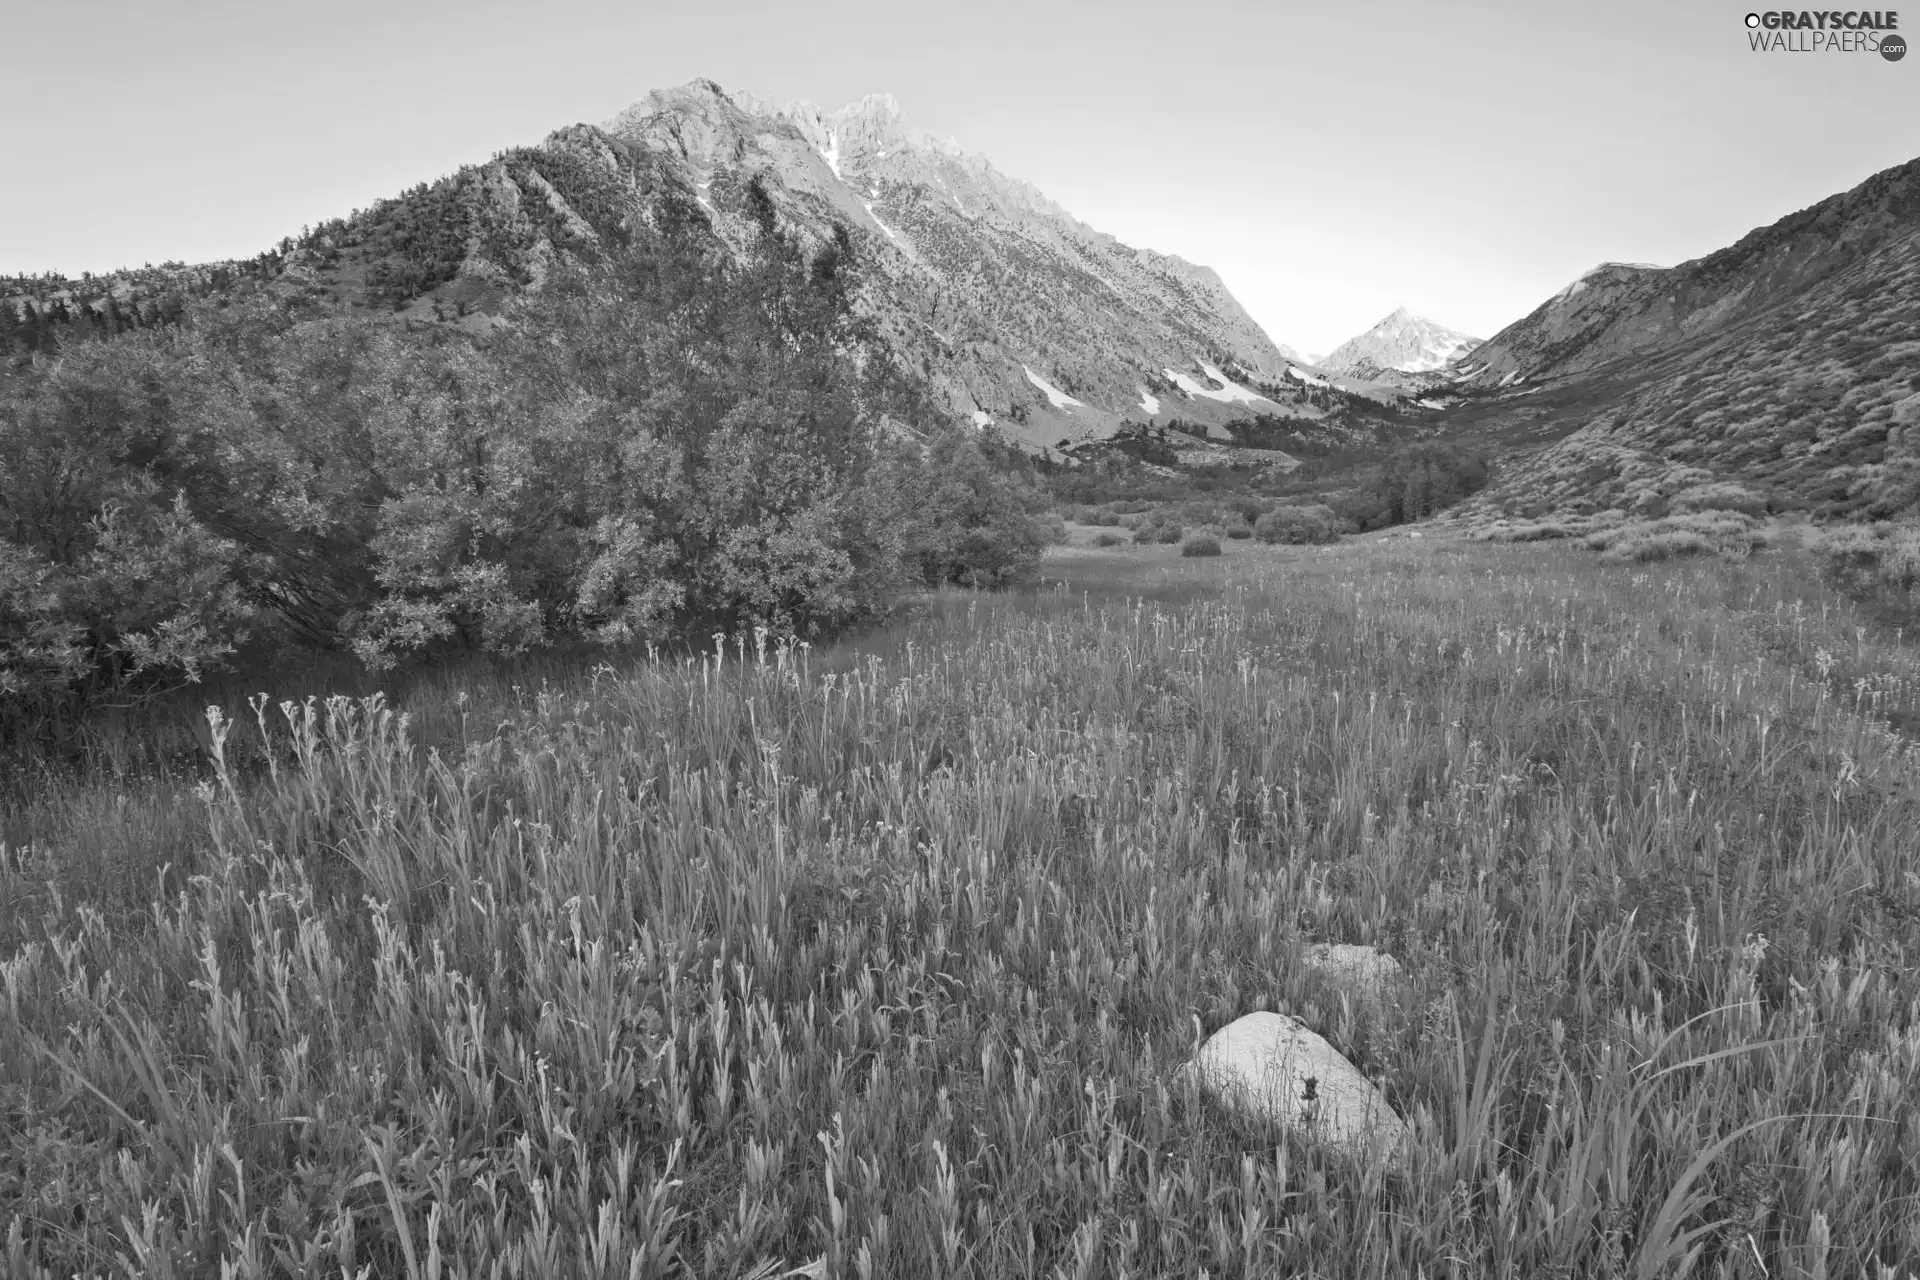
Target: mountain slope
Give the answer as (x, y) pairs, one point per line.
(1402, 342)
(1619, 310)
(1788, 365)
(981, 280)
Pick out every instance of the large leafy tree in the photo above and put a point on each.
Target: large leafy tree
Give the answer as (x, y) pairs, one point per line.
(676, 436)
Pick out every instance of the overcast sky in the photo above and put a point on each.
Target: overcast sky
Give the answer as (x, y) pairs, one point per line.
(1332, 161)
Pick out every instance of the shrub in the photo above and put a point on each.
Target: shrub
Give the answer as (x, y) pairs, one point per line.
(1055, 529)
(1713, 526)
(962, 522)
(1719, 496)
(1164, 534)
(1200, 544)
(1658, 546)
(1248, 508)
(1412, 484)
(1869, 560)
(1727, 533)
(1240, 529)
(1297, 525)
(1504, 531)
(1110, 540)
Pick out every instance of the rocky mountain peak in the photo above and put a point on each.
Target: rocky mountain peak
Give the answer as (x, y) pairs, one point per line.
(1402, 342)
(992, 288)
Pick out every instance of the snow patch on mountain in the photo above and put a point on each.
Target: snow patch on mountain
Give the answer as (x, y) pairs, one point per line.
(868, 206)
(831, 153)
(1056, 397)
(1148, 401)
(1229, 389)
(1226, 392)
(981, 418)
(1303, 376)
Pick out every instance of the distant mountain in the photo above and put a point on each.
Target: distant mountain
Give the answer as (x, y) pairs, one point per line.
(1403, 342)
(1788, 364)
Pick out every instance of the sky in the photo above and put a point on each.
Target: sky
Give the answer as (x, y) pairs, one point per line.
(1331, 161)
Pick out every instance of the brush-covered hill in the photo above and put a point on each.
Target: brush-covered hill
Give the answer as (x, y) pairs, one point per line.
(1786, 366)
(1619, 310)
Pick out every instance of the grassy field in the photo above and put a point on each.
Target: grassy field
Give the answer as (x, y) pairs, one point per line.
(878, 961)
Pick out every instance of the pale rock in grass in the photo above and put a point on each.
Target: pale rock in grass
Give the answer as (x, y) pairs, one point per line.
(1272, 1067)
(1416, 534)
(1369, 974)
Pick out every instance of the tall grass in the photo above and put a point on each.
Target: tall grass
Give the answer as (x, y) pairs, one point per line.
(879, 964)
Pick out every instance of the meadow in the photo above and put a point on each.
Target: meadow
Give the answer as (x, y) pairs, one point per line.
(878, 959)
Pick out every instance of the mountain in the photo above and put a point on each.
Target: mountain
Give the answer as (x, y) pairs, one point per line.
(1015, 312)
(1003, 306)
(1618, 309)
(1402, 342)
(1787, 364)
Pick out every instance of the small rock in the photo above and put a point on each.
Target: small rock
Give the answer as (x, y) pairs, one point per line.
(1271, 1066)
(1369, 974)
(1416, 534)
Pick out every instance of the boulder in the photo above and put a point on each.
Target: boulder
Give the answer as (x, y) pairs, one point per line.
(1369, 974)
(1271, 1066)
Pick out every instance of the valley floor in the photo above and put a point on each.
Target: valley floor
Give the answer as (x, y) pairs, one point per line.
(878, 959)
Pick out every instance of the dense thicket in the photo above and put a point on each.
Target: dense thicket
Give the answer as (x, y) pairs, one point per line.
(1411, 484)
(675, 440)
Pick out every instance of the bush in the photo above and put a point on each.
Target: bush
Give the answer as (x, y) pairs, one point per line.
(1164, 534)
(1055, 529)
(1240, 529)
(1528, 531)
(1719, 496)
(962, 522)
(1659, 546)
(1247, 508)
(1413, 484)
(1111, 540)
(1712, 528)
(1870, 560)
(1200, 544)
(1297, 525)
(1727, 533)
